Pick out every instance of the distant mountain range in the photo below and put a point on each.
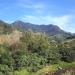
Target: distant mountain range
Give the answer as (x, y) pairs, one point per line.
(50, 29)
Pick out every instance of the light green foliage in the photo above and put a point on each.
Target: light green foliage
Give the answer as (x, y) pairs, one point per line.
(21, 72)
(54, 68)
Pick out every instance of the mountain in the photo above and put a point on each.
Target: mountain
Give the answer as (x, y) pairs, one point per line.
(52, 30)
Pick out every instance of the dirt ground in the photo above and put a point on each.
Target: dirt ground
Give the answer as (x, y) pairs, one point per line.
(67, 71)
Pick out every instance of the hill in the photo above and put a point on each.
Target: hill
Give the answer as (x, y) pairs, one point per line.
(49, 29)
(26, 49)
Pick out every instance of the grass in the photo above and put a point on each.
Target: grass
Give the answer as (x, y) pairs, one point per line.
(46, 69)
(53, 68)
(13, 37)
(22, 72)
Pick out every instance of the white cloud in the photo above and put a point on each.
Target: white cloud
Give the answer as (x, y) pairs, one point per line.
(64, 22)
(60, 21)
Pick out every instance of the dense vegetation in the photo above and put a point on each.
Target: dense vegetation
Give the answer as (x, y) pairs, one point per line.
(33, 52)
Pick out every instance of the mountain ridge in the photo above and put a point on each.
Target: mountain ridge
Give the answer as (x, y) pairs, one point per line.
(49, 29)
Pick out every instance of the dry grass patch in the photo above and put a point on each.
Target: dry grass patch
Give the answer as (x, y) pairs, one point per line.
(10, 38)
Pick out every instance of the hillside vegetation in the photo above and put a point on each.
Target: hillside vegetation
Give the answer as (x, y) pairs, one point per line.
(35, 53)
(11, 38)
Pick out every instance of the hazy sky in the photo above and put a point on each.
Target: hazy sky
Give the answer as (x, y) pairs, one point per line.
(58, 12)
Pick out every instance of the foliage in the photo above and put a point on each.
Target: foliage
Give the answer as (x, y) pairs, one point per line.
(33, 53)
(21, 72)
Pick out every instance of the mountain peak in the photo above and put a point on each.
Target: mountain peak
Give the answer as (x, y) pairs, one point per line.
(50, 29)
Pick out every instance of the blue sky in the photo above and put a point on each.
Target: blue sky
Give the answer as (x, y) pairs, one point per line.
(58, 12)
